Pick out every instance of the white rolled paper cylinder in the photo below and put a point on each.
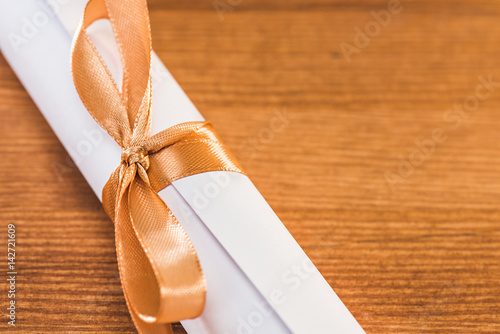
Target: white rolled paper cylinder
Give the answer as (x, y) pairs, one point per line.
(258, 278)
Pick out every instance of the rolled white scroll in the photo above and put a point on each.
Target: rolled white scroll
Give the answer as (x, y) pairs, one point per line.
(258, 278)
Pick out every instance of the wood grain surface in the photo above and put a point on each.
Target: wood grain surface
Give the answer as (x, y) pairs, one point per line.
(386, 171)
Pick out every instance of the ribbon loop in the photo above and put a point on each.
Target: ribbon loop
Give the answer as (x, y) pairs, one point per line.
(161, 276)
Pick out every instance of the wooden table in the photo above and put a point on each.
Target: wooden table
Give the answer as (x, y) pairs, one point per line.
(387, 171)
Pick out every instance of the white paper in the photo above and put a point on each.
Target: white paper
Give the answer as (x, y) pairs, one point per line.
(259, 280)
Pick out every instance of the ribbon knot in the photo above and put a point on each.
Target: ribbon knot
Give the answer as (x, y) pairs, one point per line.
(161, 276)
(136, 155)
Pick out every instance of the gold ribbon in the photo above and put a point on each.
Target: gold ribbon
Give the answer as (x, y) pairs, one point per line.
(159, 269)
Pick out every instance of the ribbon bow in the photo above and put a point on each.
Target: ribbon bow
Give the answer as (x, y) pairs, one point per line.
(159, 269)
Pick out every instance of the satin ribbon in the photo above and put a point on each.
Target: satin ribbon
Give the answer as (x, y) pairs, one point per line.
(159, 269)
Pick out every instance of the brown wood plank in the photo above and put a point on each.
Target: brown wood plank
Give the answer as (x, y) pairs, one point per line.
(423, 257)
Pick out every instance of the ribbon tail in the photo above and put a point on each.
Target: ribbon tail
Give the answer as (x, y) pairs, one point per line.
(146, 328)
(109, 193)
(160, 272)
(132, 261)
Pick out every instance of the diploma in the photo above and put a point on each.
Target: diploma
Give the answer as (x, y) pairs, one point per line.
(258, 278)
